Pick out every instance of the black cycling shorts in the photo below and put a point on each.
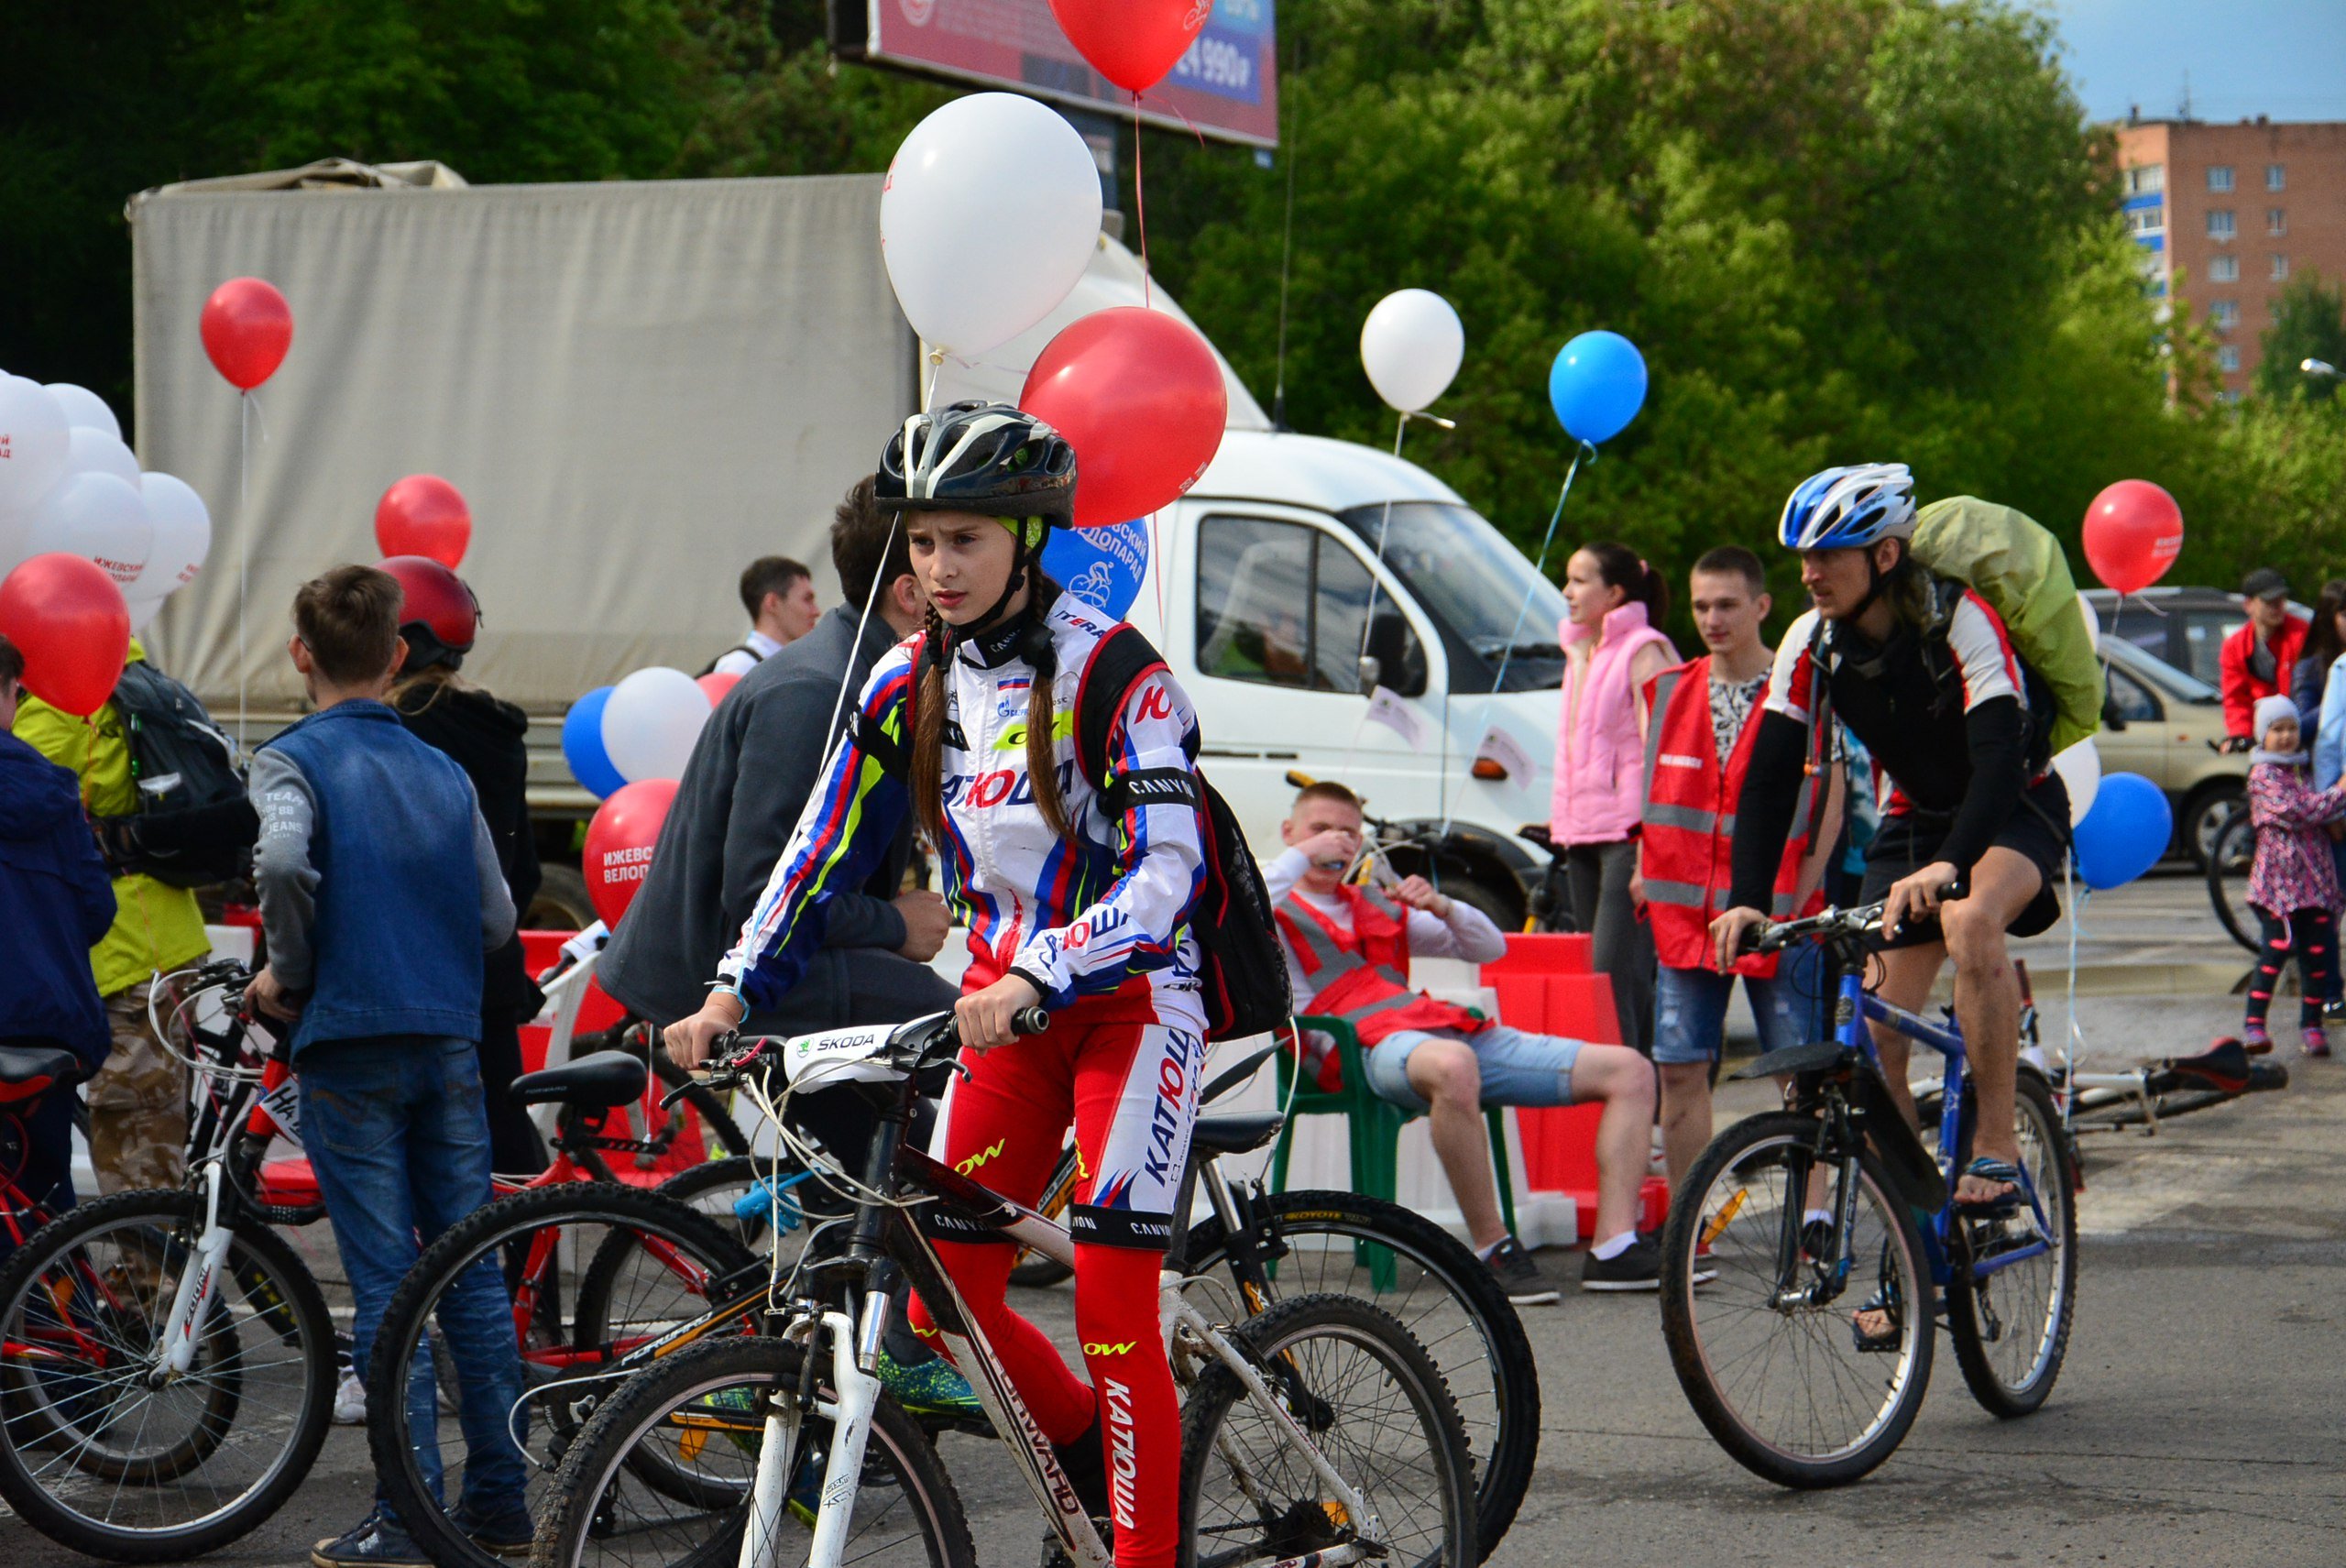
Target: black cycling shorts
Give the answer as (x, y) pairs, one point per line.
(2038, 827)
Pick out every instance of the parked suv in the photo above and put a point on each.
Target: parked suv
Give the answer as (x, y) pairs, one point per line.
(2158, 720)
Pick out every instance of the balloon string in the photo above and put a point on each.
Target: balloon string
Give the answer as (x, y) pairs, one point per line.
(1368, 615)
(244, 545)
(1140, 205)
(870, 597)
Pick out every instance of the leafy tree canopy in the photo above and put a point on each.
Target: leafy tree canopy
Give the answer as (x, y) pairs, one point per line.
(2308, 323)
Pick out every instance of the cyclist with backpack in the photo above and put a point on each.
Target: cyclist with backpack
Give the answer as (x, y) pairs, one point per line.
(1077, 883)
(1922, 670)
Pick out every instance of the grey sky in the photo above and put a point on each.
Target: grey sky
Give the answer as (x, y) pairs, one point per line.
(2281, 58)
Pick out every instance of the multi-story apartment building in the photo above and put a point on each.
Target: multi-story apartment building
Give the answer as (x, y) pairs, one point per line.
(2226, 214)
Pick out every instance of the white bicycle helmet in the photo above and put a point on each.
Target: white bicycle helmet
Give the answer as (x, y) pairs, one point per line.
(1840, 507)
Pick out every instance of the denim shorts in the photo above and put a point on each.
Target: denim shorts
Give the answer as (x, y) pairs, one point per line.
(1690, 1007)
(1517, 1069)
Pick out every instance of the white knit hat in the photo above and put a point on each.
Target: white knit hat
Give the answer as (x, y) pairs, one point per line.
(2269, 711)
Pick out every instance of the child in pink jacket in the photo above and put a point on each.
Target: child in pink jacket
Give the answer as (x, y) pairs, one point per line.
(2293, 883)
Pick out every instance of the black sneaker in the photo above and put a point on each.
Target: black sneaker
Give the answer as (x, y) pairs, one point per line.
(1521, 1277)
(1637, 1266)
(379, 1541)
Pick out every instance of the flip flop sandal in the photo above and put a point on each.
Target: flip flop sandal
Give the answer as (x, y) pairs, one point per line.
(1985, 1168)
(1885, 1301)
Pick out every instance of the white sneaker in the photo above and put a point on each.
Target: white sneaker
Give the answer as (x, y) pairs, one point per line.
(350, 1402)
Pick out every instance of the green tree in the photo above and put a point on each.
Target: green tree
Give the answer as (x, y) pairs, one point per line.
(2308, 323)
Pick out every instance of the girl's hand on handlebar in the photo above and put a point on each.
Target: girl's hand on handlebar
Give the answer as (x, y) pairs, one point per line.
(983, 1018)
(1731, 932)
(688, 1040)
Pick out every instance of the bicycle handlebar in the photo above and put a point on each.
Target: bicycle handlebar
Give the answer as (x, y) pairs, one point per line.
(915, 1047)
(1774, 936)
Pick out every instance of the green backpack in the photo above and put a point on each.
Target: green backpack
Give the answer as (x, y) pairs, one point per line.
(2015, 564)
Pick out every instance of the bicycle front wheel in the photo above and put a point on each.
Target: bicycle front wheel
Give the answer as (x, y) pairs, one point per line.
(1372, 1402)
(2009, 1320)
(2231, 851)
(1770, 1353)
(1347, 1244)
(102, 1447)
(706, 1408)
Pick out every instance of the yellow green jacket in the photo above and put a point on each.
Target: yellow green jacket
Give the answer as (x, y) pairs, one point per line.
(156, 926)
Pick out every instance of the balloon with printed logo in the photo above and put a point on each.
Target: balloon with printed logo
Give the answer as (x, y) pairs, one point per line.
(2134, 532)
(34, 441)
(247, 327)
(1411, 346)
(85, 409)
(100, 519)
(2125, 833)
(582, 746)
(619, 840)
(651, 722)
(1132, 43)
(1140, 399)
(989, 215)
(2080, 770)
(1596, 385)
(69, 620)
(716, 683)
(423, 514)
(93, 451)
(1101, 567)
(182, 535)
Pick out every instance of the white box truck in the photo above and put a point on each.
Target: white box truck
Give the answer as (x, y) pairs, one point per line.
(641, 387)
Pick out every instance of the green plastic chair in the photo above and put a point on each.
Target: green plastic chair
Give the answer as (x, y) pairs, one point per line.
(1373, 1125)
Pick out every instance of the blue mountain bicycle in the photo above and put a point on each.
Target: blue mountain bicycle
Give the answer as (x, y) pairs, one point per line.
(1834, 1240)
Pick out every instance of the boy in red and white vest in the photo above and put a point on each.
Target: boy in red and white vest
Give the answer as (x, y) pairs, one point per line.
(1698, 742)
(1348, 951)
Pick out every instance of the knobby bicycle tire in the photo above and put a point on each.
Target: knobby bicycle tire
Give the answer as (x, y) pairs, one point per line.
(2230, 850)
(1503, 1463)
(1276, 1336)
(1690, 1358)
(579, 1505)
(630, 1212)
(1967, 1323)
(263, 1272)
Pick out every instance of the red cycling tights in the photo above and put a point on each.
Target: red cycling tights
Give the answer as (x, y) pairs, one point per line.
(1130, 1089)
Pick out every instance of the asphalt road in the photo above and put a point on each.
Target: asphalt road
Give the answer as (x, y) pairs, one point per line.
(2197, 1422)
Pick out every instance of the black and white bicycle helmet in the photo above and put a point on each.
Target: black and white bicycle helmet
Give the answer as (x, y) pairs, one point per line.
(1840, 507)
(988, 458)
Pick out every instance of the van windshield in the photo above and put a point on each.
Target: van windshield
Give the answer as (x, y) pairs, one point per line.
(1466, 575)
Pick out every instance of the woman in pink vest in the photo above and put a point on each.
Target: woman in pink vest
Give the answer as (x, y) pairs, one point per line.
(1611, 651)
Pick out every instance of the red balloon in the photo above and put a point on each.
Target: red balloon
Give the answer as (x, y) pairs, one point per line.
(2134, 532)
(716, 682)
(69, 620)
(1140, 399)
(423, 514)
(1132, 43)
(620, 841)
(248, 327)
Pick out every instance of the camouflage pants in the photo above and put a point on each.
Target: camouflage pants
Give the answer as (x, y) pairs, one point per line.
(137, 1103)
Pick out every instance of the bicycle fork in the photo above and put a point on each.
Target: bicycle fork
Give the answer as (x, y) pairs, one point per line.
(857, 1392)
(197, 1288)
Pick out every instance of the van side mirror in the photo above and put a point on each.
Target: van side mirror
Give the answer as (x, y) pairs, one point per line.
(1401, 661)
(1372, 674)
(2111, 718)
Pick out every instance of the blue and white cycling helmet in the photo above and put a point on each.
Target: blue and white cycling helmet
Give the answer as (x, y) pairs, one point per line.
(1841, 508)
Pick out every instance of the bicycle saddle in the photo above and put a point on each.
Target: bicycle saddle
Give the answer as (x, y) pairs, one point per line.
(1536, 833)
(600, 1083)
(28, 1070)
(1235, 1134)
(2222, 1067)
(1792, 1060)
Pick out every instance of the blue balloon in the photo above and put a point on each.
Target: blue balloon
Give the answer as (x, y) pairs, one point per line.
(582, 745)
(1597, 385)
(2125, 833)
(1101, 566)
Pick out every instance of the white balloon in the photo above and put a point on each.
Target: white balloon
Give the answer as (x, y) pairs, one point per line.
(651, 722)
(182, 535)
(989, 215)
(34, 441)
(2080, 770)
(142, 611)
(99, 518)
(2093, 620)
(1411, 345)
(96, 452)
(85, 409)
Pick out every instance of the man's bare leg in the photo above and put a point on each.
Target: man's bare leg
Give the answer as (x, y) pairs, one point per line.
(1448, 1078)
(1685, 1115)
(1623, 1081)
(1986, 1001)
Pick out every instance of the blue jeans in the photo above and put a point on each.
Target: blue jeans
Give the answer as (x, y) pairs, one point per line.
(1796, 1008)
(395, 1129)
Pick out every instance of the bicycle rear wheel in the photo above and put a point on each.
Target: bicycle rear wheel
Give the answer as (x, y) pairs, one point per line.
(1371, 1401)
(99, 1455)
(633, 1264)
(1341, 1244)
(1767, 1352)
(1039, 1271)
(2231, 851)
(706, 1408)
(2011, 1325)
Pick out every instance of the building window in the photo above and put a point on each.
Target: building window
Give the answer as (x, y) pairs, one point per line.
(2147, 220)
(2277, 220)
(2280, 269)
(2219, 223)
(2275, 178)
(2224, 314)
(2223, 269)
(2220, 177)
(2227, 397)
(2228, 357)
(2148, 179)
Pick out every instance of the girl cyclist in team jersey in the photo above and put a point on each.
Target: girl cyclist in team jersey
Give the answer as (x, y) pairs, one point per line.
(1073, 903)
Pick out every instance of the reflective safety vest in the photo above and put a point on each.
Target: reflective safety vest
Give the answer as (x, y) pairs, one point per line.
(1361, 976)
(1685, 847)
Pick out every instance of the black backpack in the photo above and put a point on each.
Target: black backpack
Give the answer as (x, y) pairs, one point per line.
(1243, 973)
(185, 769)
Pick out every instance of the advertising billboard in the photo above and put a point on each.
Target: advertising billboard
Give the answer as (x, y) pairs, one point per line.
(1226, 87)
